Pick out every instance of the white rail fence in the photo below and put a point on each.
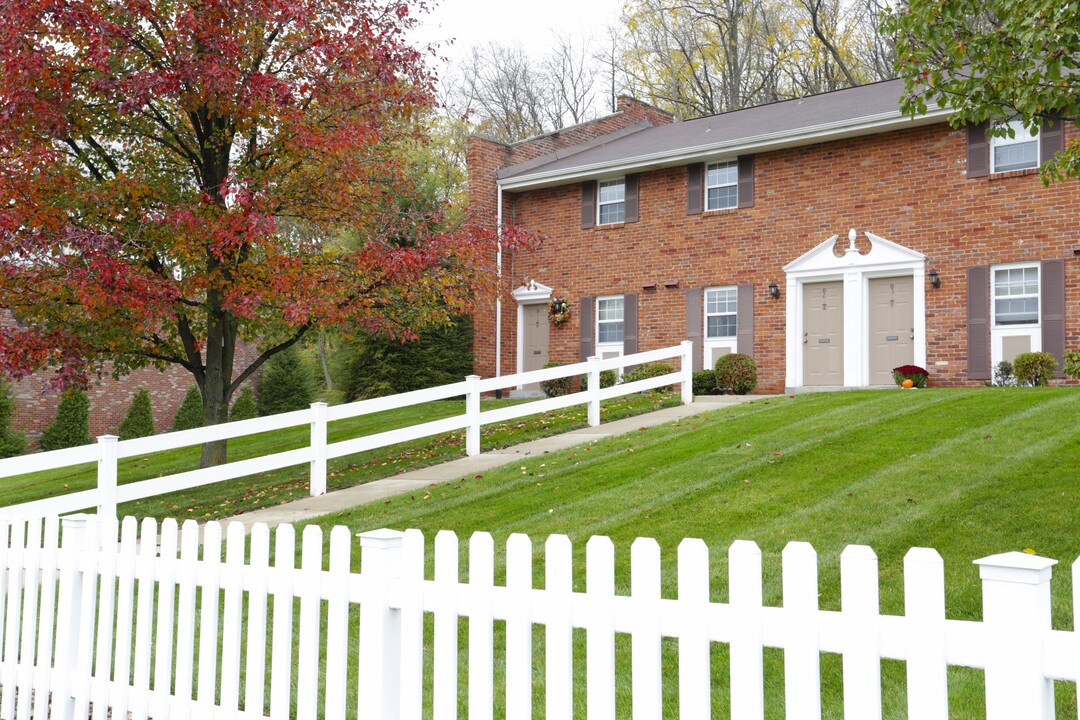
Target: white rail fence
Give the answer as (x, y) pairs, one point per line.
(109, 450)
(156, 624)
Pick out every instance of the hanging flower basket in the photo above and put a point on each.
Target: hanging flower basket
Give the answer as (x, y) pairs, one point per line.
(558, 311)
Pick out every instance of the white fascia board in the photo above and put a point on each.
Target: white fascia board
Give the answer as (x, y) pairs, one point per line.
(882, 122)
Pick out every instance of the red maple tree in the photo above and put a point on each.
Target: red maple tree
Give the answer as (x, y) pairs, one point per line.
(174, 175)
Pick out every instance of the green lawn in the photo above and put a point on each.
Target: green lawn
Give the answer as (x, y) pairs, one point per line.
(222, 500)
(968, 472)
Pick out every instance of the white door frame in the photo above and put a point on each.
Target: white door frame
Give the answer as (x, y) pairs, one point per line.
(855, 269)
(531, 293)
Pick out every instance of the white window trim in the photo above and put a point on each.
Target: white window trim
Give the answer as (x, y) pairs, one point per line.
(996, 142)
(617, 202)
(993, 295)
(731, 343)
(734, 184)
(609, 346)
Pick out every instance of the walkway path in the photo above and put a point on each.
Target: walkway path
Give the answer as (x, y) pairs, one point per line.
(332, 502)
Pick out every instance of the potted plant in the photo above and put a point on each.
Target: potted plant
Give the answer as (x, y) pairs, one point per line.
(914, 373)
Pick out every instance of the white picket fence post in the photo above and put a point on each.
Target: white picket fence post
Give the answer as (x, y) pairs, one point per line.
(379, 686)
(318, 448)
(472, 415)
(108, 463)
(1016, 610)
(687, 368)
(594, 391)
(73, 542)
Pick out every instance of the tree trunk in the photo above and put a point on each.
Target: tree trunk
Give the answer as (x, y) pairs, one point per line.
(322, 358)
(217, 382)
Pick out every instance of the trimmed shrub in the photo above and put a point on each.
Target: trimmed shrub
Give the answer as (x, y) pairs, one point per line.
(608, 378)
(558, 386)
(1072, 364)
(1034, 368)
(243, 407)
(190, 413)
(139, 419)
(72, 425)
(914, 373)
(649, 370)
(705, 382)
(372, 366)
(1003, 374)
(12, 443)
(285, 384)
(736, 374)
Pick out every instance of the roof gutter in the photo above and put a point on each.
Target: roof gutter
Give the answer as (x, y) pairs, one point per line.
(769, 141)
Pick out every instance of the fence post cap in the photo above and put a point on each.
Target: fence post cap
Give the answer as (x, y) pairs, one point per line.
(76, 519)
(472, 377)
(1016, 567)
(319, 404)
(381, 538)
(108, 438)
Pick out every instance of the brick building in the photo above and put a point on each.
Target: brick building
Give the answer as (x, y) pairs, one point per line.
(830, 237)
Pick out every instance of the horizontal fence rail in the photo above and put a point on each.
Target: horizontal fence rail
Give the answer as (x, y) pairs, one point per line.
(109, 450)
(153, 621)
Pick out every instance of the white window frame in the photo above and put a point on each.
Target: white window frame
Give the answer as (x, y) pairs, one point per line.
(1021, 136)
(609, 346)
(599, 205)
(994, 270)
(708, 186)
(711, 346)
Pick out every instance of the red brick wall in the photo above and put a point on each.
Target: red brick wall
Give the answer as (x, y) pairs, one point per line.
(907, 186)
(35, 402)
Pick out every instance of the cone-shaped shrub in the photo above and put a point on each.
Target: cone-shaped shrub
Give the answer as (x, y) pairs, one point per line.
(244, 407)
(190, 413)
(285, 384)
(72, 425)
(139, 420)
(11, 443)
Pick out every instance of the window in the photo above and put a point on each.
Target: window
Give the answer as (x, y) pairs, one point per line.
(720, 312)
(1016, 295)
(609, 320)
(722, 185)
(611, 205)
(1019, 152)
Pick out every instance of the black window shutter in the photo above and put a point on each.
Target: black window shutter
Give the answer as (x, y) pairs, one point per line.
(586, 310)
(744, 320)
(631, 194)
(694, 330)
(1051, 138)
(978, 322)
(746, 181)
(978, 151)
(630, 324)
(1052, 308)
(588, 204)
(695, 176)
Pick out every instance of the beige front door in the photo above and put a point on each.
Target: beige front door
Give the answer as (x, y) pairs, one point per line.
(535, 335)
(823, 333)
(892, 327)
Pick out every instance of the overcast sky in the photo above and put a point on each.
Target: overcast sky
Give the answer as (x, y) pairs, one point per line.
(532, 23)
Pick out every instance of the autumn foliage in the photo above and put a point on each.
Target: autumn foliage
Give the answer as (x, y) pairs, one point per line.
(175, 176)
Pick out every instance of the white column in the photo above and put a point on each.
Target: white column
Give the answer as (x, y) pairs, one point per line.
(1016, 613)
(855, 346)
(687, 372)
(318, 448)
(380, 625)
(472, 415)
(594, 391)
(107, 475)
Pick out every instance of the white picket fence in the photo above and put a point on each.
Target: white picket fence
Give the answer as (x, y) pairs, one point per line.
(109, 450)
(157, 624)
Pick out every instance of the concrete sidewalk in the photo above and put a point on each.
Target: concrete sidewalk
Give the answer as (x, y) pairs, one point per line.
(413, 480)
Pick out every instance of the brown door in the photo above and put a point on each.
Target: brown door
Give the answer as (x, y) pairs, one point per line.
(892, 327)
(823, 334)
(535, 339)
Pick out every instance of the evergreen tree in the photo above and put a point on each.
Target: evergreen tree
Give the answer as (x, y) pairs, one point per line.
(139, 420)
(285, 384)
(11, 442)
(72, 425)
(190, 413)
(244, 408)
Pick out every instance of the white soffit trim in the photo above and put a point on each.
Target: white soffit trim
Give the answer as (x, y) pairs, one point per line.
(771, 141)
(532, 292)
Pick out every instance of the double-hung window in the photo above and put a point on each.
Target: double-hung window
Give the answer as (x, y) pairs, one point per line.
(722, 185)
(720, 312)
(611, 203)
(1019, 152)
(1016, 295)
(609, 320)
